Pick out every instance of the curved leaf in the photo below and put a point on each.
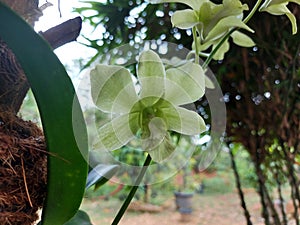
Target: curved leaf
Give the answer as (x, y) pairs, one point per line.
(80, 218)
(54, 93)
(100, 175)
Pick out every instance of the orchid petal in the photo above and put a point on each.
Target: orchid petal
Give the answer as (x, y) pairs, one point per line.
(184, 121)
(184, 19)
(211, 14)
(112, 89)
(208, 83)
(158, 130)
(162, 151)
(151, 75)
(116, 133)
(282, 9)
(242, 39)
(185, 84)
(219, 55)
(224, 25)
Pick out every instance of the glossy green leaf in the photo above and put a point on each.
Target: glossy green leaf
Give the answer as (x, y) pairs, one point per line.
(100, 175)
(80, 218)
(58, 105)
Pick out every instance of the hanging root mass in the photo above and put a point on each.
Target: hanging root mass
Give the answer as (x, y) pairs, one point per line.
(23, 170)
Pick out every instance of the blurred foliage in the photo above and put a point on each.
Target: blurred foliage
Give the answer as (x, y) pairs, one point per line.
(261, 85)
(29, 109)
(121, 22)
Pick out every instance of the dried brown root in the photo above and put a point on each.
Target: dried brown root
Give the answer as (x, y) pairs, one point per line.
(23, 170)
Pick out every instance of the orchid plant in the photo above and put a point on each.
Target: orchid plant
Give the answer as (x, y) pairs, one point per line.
(149, 110)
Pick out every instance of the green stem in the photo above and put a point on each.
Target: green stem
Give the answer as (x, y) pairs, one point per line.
(197, 59)
(250, 15)
(132, 191)
(211, 55)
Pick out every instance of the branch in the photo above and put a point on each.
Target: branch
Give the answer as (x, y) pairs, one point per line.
(63, 33)
(14, 85)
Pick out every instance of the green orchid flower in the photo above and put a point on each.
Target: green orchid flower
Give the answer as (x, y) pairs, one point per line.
(279, 7)
(213, 22)
(150, 113)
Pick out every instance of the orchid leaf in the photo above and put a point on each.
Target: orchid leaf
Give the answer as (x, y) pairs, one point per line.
(80, 218)
(100, 174)
(58, 105)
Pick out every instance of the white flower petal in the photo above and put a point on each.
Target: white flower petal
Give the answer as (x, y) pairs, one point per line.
(158, 130)
(185, 84)
(151, 74)
(184, 121)
(116, 133)
(162, 151)
(184, 19)
(242, 39)
(112, 89)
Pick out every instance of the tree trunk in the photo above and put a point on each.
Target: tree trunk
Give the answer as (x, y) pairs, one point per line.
(239, 188)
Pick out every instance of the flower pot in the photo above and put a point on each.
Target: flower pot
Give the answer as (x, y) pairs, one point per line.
(183, 201)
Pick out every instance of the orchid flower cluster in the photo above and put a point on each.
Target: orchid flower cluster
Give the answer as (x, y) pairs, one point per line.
(212, 22)
(149, 114)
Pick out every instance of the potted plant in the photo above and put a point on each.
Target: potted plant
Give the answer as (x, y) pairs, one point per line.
(185, 193)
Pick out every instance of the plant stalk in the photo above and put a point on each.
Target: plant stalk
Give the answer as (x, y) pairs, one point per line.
(132, 192)
(211, 55)
(197, 59)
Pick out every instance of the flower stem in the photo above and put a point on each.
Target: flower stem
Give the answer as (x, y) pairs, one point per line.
(211, 55)
(132, 191)
(257, 4)
(196, 45)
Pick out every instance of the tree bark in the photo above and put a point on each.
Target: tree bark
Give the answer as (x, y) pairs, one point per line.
(239, 188)
(14, 84)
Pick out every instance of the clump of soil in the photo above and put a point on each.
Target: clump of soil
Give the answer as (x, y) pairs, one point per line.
(23, 170)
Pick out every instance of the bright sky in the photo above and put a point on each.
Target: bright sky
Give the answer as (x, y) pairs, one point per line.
(51, 17)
